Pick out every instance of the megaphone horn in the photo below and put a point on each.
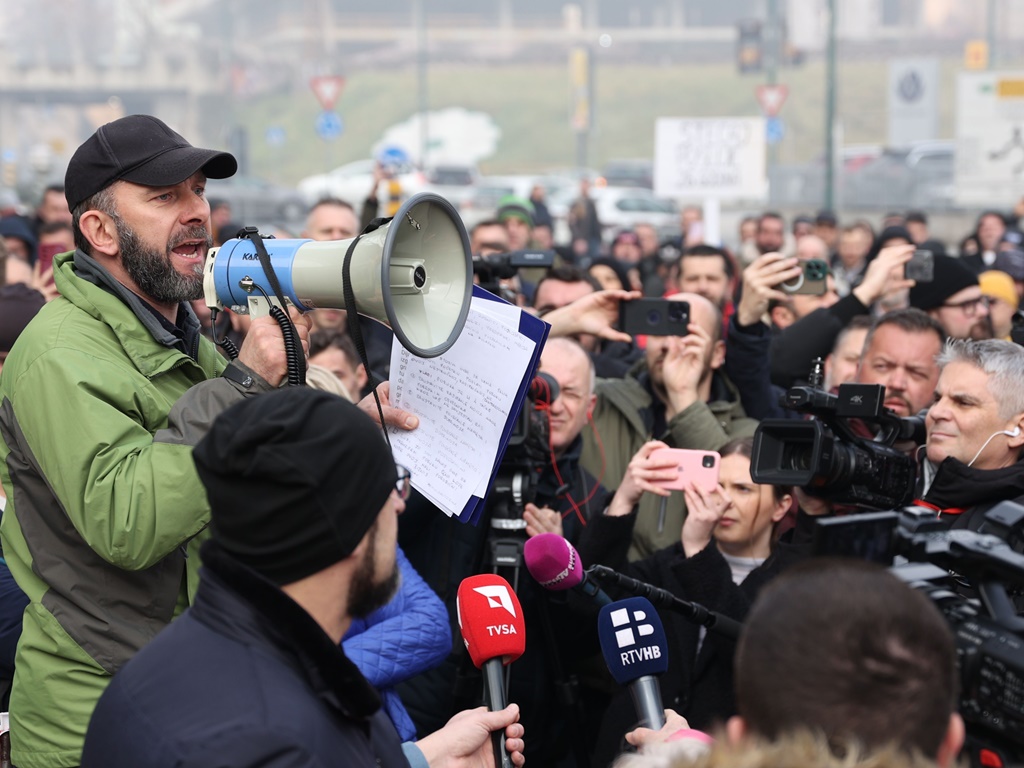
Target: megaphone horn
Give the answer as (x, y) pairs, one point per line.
(414, 274)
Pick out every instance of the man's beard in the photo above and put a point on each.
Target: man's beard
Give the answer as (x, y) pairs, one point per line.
(154, 273)
(365, 595)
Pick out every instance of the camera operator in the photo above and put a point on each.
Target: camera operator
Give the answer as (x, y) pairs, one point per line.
(975, 431)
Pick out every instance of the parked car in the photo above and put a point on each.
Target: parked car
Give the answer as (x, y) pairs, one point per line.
(629, 173)
(918, 176)
(452, 181)
(621, 208)
(352, 183)
(256, 201)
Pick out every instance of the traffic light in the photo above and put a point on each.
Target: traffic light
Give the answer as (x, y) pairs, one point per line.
(749, 45)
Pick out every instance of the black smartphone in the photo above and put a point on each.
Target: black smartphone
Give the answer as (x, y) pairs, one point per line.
(812, 281)
(921, 266)
(654, 317)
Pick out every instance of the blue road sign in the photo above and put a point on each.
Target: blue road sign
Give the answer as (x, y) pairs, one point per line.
(774, 130)
(329, 125)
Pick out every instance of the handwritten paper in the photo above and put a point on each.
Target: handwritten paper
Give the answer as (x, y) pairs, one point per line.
(463, 399)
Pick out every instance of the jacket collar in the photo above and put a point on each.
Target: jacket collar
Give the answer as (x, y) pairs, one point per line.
(956, 485)
(235, 601)
(86, 284)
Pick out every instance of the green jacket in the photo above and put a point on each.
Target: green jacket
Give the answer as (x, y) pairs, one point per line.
(99, 408)
(623, 422)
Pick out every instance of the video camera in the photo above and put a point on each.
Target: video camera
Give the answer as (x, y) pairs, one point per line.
(831, 455)
(987, 630)
(526, 456)
(490, 270)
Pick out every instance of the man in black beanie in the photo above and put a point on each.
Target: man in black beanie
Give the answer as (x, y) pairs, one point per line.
(953, 298)
(304, 498)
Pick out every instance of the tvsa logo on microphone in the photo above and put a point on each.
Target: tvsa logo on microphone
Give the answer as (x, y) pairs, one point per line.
(501, 629)
(628, 634)
(497, 597)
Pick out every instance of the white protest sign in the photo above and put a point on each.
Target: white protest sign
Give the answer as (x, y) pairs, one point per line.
(722, 158)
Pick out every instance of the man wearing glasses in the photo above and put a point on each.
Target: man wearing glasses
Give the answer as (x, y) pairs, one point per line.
(304, 498)
(954, 298)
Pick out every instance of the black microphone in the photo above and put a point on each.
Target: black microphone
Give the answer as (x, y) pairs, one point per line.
(695, 612)
(635, 649)
(556, 566)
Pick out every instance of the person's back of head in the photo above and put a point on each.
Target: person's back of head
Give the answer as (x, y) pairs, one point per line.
(844, 647)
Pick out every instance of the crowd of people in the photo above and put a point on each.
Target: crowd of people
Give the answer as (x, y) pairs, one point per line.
(202, 567)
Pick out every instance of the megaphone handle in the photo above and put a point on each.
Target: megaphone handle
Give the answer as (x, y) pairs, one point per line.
(263, 305)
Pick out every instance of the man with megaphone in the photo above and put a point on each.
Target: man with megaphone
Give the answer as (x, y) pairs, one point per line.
(101, 400)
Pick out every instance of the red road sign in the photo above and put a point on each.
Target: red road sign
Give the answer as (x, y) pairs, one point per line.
(327, 89)
(771, 98)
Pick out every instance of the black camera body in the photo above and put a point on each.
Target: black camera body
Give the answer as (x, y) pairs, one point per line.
(490, 270)
(951, 566)
(527, 454)
(832, 456)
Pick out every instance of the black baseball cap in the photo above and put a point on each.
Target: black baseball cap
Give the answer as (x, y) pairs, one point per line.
(141, 149)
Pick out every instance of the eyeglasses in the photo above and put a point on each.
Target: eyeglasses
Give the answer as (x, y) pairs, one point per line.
(969, 307)
(404, 484)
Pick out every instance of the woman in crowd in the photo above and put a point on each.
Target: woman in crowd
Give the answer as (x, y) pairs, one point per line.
(724, 556)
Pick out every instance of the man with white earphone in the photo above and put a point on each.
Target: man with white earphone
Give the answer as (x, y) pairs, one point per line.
(975, 431)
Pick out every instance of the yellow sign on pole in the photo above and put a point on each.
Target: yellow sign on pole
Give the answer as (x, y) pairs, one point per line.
(976, 54)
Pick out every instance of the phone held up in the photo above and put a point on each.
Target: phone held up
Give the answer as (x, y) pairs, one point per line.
(697, 467)
(921, 266)
(812, 281)
(654, 317)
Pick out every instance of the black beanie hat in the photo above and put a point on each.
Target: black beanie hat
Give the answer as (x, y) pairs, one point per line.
(295, 479)
(951, 276)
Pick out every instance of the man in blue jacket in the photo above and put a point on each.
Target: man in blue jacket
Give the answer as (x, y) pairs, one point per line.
(304, 498)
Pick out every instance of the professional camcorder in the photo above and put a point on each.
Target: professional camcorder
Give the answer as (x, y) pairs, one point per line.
(832, 454)
(490, 270)
(951, 566)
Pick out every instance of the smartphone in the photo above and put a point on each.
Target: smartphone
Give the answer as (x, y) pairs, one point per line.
(654, 317)
(46, 254)
(812, 281)
(921, 267)
(697, 467)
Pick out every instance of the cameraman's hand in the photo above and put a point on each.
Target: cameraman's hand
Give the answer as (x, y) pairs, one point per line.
(642, 475)
(884, 275)
(263, 349)
(759, 285)
(541, 520)
(703, 511)
(812, 505)
(682, 368)
(596, 313)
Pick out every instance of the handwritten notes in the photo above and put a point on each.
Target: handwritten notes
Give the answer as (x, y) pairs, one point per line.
(463, 399)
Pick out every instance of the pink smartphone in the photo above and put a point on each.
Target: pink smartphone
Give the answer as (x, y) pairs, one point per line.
(698, 467)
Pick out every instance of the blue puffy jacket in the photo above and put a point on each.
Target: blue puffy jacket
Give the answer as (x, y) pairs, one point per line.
(407, 636)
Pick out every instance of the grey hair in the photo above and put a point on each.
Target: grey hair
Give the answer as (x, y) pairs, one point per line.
(101, 201)
(1003, 361)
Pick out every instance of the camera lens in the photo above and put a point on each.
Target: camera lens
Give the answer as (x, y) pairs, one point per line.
(676, 313)
(653, 317)
(708, 462)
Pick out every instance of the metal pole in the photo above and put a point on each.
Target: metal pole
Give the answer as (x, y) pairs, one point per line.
(991, 22)
(421, 78)
(830, 109)
(771, 50)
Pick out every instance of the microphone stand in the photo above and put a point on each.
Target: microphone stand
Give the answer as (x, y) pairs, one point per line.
(662, 598)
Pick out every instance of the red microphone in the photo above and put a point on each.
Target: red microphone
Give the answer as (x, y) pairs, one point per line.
(491, 622)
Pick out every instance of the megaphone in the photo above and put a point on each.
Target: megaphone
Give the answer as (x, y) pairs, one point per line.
(414, 274)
